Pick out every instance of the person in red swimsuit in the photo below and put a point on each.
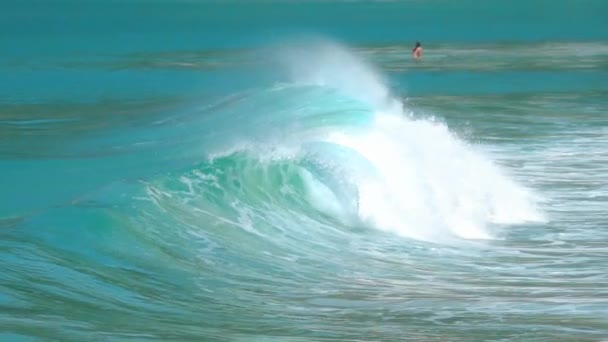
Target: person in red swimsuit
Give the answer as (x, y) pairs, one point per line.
(417, 51)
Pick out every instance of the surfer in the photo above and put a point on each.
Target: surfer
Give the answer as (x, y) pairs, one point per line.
(417, 51)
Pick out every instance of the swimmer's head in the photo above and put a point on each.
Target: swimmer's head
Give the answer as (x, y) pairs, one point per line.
(417, 46)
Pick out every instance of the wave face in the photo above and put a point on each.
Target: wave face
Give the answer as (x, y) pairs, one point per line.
(302, 210)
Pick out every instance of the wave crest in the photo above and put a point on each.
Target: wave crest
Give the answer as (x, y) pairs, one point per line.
(336, 144)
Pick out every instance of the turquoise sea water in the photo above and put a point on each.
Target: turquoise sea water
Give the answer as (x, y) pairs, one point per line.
(283, 171)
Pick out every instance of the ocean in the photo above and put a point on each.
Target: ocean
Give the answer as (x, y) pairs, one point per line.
(285, 171)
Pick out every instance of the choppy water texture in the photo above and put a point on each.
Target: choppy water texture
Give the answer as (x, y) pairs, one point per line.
(284, 171)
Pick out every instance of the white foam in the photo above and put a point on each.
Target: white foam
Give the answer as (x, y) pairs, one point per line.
(429, 184)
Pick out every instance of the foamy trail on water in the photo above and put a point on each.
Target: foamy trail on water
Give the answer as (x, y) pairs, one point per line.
(426, 182)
